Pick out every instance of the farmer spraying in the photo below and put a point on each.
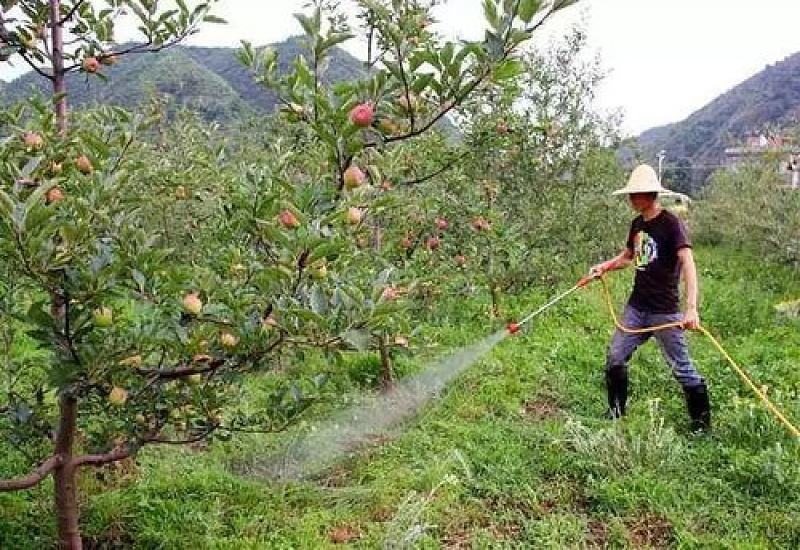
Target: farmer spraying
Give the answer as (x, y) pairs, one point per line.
(659, 248)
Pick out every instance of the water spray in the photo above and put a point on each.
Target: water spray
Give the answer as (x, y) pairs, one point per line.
(365, 422)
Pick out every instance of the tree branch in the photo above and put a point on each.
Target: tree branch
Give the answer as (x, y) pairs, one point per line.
(35, 477)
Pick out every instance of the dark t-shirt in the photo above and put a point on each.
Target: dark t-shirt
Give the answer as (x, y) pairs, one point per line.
(655, 246)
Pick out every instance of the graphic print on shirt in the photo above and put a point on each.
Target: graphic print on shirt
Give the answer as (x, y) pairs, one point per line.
(645, 250)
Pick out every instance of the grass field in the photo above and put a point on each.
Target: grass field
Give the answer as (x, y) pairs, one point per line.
(513, 453)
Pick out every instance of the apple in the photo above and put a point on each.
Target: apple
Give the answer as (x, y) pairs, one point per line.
(84, 164)
(228, 340)
(90, 65)
(288, 219)
(319, 270)
(432, 243)
(502, 128)
(103, 317)
(388, 126)
(408, 102)
(353, 177)
(33, 141)
(440, 223)
(389, 293)
(108, 59)
(268, 323)
(460, 259)
(386, 185)
(117, 396)
(481, 224)
(192, 303)
(362, 115)
(406, 243)
(132, 361)
(354, 215)
(54, 194)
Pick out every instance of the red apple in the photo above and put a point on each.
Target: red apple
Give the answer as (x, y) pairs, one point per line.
(54, 195)
(288, 219)
(84, 164)
(33, 141)
(91, 65)
(441, 223)
(354, 215)
(353, 177)
(362, 115)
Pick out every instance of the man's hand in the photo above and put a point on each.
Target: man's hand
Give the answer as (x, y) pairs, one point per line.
(691, 319)
(599, 270)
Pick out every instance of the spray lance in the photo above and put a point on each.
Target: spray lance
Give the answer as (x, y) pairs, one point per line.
(514, 328)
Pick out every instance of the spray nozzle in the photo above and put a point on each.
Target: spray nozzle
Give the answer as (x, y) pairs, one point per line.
(513, 328)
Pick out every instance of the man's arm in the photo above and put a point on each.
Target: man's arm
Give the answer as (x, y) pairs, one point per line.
(691, 319)
(620, 261)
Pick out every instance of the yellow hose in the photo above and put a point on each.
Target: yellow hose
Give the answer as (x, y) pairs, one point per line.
(761, 395)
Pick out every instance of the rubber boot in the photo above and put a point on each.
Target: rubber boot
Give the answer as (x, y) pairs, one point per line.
(699, 408)
(617, 388)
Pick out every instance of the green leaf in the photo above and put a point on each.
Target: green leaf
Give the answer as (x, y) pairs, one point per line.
(528, 8)
(490, 13)
(510, 68)
(214, 19)
(319, 301)
(359, 339)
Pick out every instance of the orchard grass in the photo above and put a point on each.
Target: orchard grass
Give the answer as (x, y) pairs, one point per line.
(513, 453)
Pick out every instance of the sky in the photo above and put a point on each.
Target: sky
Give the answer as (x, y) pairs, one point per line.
(664, 59)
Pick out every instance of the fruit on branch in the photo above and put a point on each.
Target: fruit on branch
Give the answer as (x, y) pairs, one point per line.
(432, 243)
(33, 141)
(354, 215)
(353, 177)
(132, 361)
(228, 340)
(103, 317)
(84, 165)
(440, 223)
(117, 396)
(192, 303)
(362, 115)
(459, 259)
(90, 65)
(408, 102)
(288, 219)
(108, 59)
(54, 194)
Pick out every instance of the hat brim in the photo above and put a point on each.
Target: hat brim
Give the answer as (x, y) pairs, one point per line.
(629, 191)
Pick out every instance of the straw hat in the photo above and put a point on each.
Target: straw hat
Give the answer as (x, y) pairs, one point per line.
(643, 180)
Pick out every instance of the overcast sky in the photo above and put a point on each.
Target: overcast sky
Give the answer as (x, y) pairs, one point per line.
(665, 58)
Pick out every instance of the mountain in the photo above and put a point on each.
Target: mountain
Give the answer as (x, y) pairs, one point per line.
(208, 80)
(764, 103)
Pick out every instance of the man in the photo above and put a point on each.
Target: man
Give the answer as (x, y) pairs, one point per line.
(659, 248)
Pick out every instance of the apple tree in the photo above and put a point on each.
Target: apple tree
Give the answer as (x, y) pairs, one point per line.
(412, 80)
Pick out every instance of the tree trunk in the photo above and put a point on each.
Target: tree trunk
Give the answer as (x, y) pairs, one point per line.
(59, 75)
(64, 477)
(387, 372)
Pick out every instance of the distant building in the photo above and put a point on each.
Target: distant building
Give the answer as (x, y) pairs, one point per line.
(784, 149)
